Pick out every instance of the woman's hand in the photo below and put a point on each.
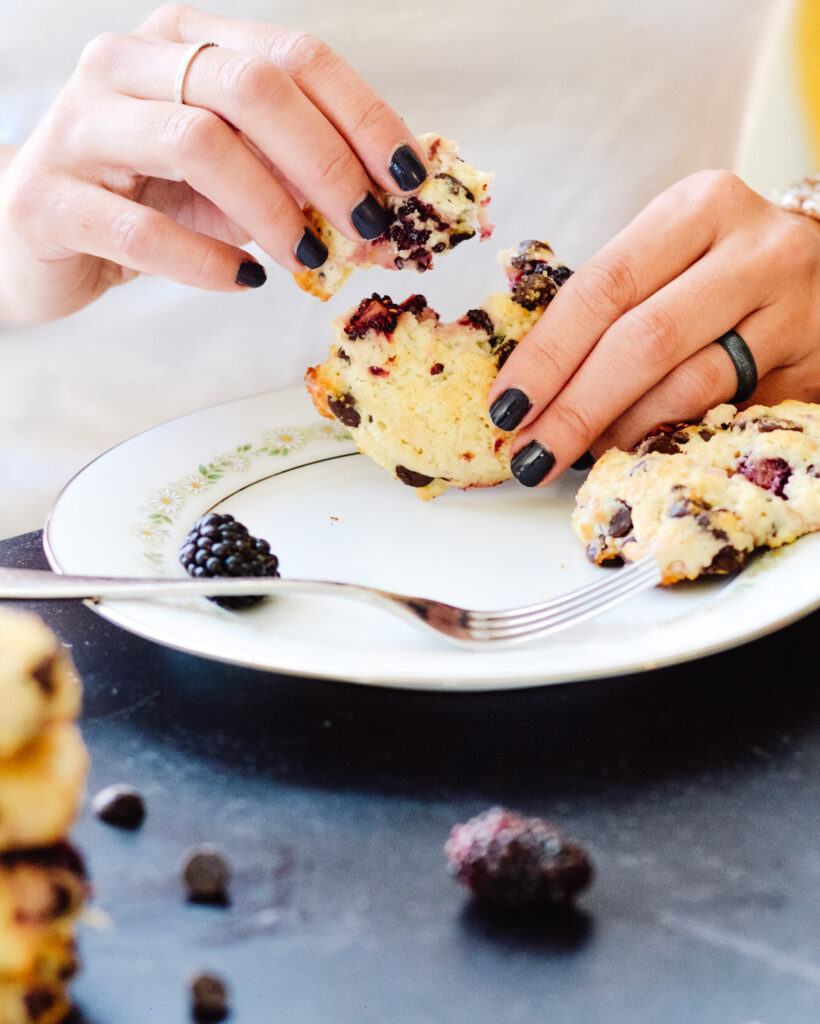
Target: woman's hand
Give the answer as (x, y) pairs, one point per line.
(628, 342)
(119, 179)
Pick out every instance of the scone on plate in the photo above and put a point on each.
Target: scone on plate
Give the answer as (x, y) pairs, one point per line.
(413, 391)
(701, 497)
(449, 207)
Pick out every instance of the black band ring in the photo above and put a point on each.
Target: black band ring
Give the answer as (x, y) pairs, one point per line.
(738, 352)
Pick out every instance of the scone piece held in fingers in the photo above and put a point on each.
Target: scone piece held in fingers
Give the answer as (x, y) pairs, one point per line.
(38, 682)
(448, 208)
(40, 1001)
(41, 788)
(413, 391)
(701, 497)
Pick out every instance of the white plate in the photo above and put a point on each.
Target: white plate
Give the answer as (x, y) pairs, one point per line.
(331, 513)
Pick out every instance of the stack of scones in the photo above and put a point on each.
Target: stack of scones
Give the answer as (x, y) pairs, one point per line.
(43, 765)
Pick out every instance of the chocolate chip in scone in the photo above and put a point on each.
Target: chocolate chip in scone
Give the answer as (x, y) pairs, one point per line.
(504, 351)
(456, 186)
(480, 319)
(209, 999)
(344, 409)
(457, 237)
(205, 874)
(43, 674)
(661, 443)
(411, 478)
(119, 805)
(728, 559)
(620, 523)
(38, 1001)
(767, 424)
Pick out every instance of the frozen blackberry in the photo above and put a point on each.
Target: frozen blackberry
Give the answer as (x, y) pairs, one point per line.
(507, 860)
(218, 545)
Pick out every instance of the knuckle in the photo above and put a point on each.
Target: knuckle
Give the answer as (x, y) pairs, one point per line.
(797, 245)
(100, 52)
(131, 234)
(372, 118)
(193, 133)
(656, 332)
(249, 81)
(338, 165)
(714, 185)
(574, 422)
(695, 389)
(606, 287)
(296, 52)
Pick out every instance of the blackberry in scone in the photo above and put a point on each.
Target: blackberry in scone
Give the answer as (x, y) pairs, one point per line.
(412, 390)
(449, 207)
(701, 497)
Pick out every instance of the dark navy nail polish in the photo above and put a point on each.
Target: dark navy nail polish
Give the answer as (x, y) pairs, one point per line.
(251, 274)
(585, 462)
(407, 170)
(311, 251)
(369, 218)
(532, 463)
(509, 409)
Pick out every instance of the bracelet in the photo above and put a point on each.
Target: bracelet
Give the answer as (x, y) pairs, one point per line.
(801, 198)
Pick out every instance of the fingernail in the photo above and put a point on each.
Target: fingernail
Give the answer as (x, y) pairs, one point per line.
(407, 170)
(251, 274)
(311, 251)
(509, 409)
(586, 460)
(369, 218)
(532, 463)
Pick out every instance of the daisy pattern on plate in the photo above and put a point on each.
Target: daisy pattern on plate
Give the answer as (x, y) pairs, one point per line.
(149, 530)
(236, 462)
(331, 432)
(283, 440)
(165, 500)
(195, 483)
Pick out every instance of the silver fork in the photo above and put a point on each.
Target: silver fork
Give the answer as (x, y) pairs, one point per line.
(463, 625)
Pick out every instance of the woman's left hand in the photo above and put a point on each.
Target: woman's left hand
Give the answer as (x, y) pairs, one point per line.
(628, 342)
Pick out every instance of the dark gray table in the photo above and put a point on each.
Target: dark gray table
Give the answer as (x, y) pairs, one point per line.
(695, 789)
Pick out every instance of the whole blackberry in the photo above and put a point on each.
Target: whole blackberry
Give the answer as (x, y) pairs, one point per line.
(218, 545)
(507, 860)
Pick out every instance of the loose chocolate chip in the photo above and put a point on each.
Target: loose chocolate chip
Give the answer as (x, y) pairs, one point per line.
(43, 674)
(119, 805)
(205, 873)
(621, 522)
(209, 999)
(344, 409)
(412, 479)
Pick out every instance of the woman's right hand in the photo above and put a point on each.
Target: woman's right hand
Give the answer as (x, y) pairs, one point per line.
(119, 179)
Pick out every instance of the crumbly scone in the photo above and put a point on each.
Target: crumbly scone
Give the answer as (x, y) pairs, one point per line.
(449, 207)
(41, 1001)
(413, 391)
(702, 497)
(38, 682)
(41, 787)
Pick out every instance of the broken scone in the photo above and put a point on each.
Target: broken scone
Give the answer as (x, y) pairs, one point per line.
(702, 497)
(413, 391)
(448, 208)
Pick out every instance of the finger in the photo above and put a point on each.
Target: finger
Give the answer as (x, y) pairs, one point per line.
(106, 225)
(181, 143)
(704, 380)
(639, 350)
(662, 242)
(263, 103)
(387, 149)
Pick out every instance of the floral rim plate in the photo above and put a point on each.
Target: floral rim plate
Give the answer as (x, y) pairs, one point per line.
(330, 513)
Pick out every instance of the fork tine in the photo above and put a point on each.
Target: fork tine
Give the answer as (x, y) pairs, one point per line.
(524, 624)
(614, 581)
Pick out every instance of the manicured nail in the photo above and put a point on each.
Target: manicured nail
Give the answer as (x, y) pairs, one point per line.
(407, 170)
(586, 460)
(369, 218)
(251, 274)
(311, 251)
(509, 409)
(532, 463)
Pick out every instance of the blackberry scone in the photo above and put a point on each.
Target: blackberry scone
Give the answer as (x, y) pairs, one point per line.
(701, 497)
(449, 207)
(413, 391)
